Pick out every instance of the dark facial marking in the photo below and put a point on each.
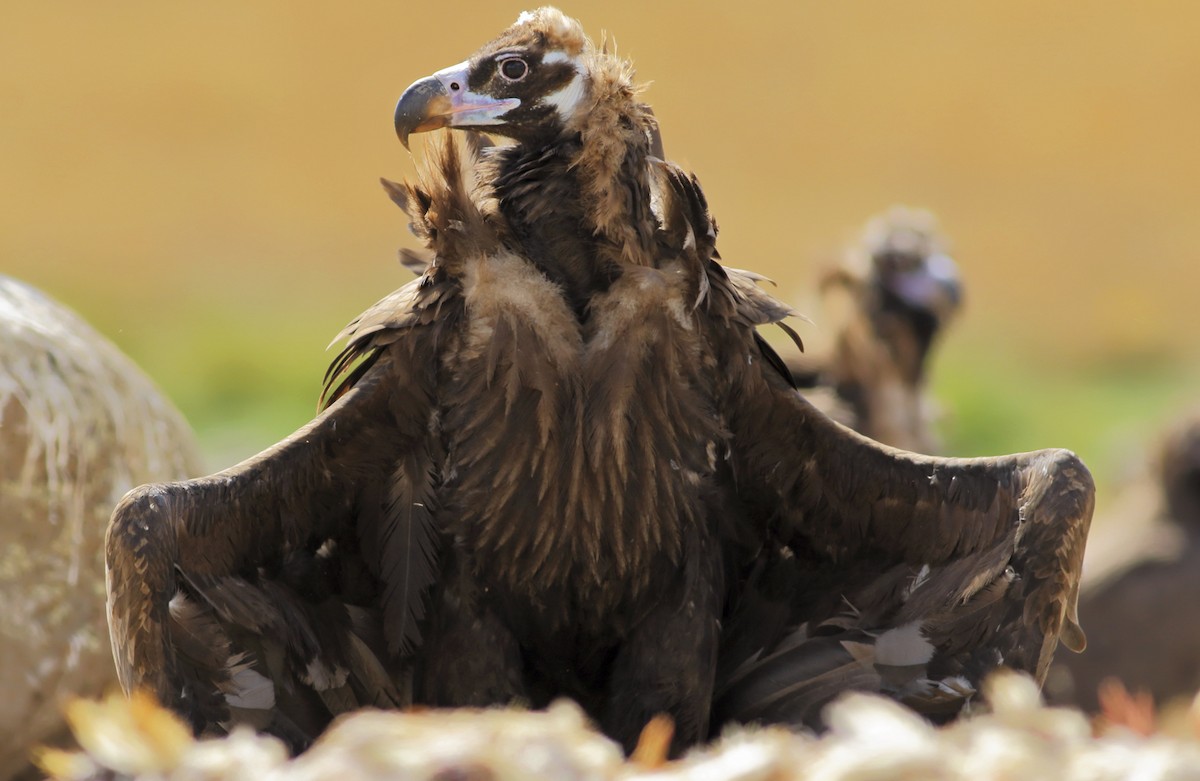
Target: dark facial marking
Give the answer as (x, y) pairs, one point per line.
(518, 74)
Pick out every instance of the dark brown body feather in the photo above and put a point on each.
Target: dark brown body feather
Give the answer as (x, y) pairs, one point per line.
(557, 464)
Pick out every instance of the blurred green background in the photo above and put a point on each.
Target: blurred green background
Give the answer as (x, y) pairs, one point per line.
(199, 181)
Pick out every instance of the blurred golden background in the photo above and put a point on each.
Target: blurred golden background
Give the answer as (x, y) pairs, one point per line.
(199, 181)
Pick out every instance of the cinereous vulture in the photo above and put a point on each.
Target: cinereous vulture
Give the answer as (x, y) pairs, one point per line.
(1140, 588)
(562, 463)
(887, 302)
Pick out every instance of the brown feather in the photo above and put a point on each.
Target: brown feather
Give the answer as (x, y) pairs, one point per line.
(562, 460)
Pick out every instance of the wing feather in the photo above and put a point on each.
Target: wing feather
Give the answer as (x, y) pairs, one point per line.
(277, 557)
(979, 558)
(404, 552)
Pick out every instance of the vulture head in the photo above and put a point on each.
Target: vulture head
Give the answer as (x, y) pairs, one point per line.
(888, 301)
(913, 284)
(578, 186)
(530, 83)
(1180, 463)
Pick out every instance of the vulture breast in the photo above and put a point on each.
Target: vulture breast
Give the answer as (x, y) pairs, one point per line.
(557, 430)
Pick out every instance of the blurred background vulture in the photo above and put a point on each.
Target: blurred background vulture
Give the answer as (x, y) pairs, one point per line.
(1141, 582)
(886, 305)
(562, 462)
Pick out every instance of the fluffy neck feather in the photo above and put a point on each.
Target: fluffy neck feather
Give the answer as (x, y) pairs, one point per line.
(580, 203)
(540, 199)
(615, 131)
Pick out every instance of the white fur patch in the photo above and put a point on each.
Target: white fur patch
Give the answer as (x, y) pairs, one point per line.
(552, 20)
(567, 99)
(903, 646)
(251, 690)
(322, 678)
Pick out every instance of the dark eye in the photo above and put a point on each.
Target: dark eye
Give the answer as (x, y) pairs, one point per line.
(514, 69)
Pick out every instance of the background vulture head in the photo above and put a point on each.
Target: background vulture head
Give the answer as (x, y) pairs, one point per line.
(913, 273)
(1180, 469)
(906, 281)
(526, 84)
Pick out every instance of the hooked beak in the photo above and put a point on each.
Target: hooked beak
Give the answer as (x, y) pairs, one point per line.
(934, 287)
(443, 100)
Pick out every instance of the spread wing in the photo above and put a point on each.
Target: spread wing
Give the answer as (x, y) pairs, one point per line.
(860, 566)
(887, 570)
(258, 594)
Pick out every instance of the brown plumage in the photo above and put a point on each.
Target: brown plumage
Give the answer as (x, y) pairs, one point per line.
(563, 463)
(1141, 580)
(887, 303)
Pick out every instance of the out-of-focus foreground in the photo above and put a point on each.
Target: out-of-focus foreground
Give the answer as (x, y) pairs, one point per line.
(870, 738)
